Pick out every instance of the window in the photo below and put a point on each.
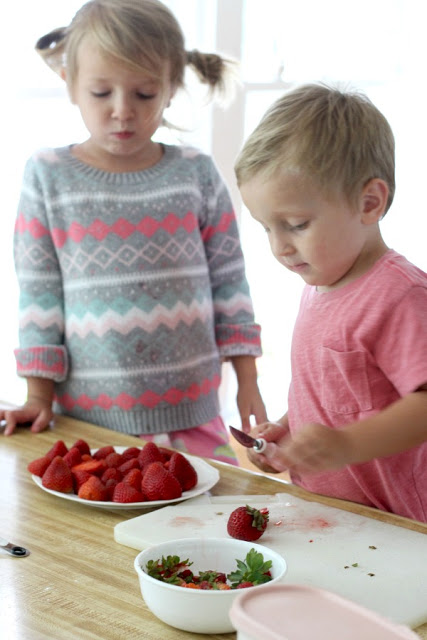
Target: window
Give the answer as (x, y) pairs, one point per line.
(375, 46)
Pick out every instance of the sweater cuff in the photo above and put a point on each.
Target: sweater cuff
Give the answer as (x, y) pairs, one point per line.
(42, 362)
(238, 339)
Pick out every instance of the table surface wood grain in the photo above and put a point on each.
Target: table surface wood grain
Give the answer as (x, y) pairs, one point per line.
(77, 582)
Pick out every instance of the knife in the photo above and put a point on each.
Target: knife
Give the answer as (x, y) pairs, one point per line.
(13, 549)
(257, 444)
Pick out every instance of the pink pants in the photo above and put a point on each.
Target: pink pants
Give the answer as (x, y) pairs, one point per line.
(209, 440)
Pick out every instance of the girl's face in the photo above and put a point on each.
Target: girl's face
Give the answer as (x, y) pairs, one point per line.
(322, 238)
(121, 109)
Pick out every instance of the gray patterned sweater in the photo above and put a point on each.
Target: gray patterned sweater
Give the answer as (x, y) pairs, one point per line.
(132, 289)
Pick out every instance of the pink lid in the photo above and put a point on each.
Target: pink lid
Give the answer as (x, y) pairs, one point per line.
(294, 612)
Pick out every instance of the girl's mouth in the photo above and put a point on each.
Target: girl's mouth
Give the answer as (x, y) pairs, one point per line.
(123, 135)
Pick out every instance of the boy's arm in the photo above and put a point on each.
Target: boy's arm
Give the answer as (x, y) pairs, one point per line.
(397, 428)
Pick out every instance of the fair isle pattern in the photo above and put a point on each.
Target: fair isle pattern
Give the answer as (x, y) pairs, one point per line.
(133, 289)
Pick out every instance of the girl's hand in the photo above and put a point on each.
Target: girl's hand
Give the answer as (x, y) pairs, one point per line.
(249, 400)
(37, 413)
(314, 448)
(250, 403)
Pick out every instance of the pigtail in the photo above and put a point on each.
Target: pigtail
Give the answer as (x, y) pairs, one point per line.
(51, 48)
(219, 73)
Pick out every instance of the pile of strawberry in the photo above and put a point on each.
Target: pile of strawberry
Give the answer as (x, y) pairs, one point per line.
(249, 573)
(136, 475)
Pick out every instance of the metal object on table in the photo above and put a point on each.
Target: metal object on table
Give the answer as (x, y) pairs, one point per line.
(13, 549)
(257, 444)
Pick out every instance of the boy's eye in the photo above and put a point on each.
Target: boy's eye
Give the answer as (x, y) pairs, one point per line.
(100, 94)
(299, 227)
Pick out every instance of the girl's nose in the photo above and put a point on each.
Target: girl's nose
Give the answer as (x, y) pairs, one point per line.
(122, 108)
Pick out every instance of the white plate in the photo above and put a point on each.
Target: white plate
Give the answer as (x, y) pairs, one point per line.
(207, 477)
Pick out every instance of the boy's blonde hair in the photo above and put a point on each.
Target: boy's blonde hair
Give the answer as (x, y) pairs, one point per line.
(142, 35)
(339, 139)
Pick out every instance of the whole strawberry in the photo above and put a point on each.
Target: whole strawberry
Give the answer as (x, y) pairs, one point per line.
(183, 470)
(247, 523)
(160, 484)
(58, 476)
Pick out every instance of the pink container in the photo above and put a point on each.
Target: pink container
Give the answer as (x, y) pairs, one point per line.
(294, 612)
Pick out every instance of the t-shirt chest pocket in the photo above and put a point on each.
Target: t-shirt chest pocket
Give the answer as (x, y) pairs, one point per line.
(345, 384)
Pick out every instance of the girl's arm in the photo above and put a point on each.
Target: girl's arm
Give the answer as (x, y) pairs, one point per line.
(249, 400)
(397, 428)
(37, 409)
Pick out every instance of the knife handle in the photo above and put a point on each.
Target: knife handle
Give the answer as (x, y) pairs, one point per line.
(260, 445)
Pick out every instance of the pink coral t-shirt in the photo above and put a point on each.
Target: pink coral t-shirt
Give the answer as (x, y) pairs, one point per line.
(355, 350)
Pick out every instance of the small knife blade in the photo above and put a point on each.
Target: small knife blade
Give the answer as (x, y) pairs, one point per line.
(257, 444)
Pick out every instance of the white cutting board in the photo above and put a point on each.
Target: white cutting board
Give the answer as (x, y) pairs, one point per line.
(318, 543)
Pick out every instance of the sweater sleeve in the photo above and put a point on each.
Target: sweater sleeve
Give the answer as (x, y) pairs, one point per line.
(41, 351)
(235, 329)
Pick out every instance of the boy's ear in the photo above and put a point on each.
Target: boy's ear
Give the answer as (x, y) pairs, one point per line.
(374, 199)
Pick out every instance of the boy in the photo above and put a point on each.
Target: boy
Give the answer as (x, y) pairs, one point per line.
(318, 174)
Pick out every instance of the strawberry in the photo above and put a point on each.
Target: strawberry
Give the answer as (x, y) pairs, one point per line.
(103, 452)
(134, 478)
(73, 457)
(183, 470)
(79, 478)
(38, 466)
(93, 489)
(128, 465)
(92, 466)
(130, 452)
(247, 523)
(123, 492)
(82, 446)
(166, 453)
(111, 473)
(114, 460)
(149, 453)
(58, 449)
(110, 485)
(58, 476)
(250, 572)
(160, 484)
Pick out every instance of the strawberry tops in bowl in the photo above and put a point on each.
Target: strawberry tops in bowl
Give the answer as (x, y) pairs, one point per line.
(226, 564)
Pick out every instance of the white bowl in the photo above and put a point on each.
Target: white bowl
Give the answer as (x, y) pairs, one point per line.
(198, 610)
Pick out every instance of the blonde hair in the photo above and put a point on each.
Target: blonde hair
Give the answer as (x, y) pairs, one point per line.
(340, 139)
(140, 34)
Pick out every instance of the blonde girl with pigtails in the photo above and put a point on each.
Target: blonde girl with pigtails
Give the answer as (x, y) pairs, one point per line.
(132, 279)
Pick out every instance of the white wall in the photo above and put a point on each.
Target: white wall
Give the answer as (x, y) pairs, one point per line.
(377, 46)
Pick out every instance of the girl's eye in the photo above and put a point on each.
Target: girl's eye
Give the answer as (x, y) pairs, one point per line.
(145, 96)
(100, 94)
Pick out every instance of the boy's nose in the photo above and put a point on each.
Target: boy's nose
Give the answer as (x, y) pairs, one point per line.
(281, 245)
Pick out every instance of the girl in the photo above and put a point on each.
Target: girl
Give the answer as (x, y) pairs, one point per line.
(127, 252)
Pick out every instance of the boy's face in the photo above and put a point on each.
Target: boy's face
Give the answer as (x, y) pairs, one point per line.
(322, 238)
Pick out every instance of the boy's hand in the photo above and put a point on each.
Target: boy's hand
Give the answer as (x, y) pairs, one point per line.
(274, 433)
(38, 414)
(314, 448)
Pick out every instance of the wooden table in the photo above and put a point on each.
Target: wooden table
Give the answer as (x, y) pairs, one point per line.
(78, 583)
